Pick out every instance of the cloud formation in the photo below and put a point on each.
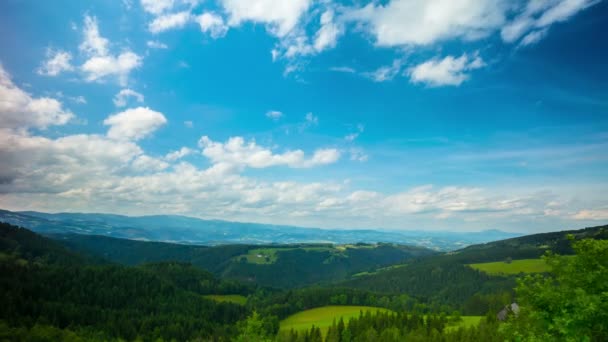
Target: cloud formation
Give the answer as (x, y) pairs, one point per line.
(449, 71)
(19, 109)
(57, 62)
(121, 98)
(100, 63)
(236, 153)
(134, 124)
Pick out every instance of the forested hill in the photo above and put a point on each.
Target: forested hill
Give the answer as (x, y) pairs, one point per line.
(298, 264)
(51, 294)
(448, 278)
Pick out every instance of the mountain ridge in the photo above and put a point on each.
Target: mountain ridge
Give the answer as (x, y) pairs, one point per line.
(189, 230)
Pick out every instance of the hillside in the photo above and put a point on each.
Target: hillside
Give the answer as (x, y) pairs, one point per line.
(298, 264)
(63, 295)
(447, 278)
(188, 230)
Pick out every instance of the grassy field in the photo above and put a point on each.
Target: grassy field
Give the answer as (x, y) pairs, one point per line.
(265, 256)
(323, 317)
(515, 267)
(236, 299)
(467, 321)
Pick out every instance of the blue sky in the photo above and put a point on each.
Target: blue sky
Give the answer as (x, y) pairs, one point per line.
(402, 114)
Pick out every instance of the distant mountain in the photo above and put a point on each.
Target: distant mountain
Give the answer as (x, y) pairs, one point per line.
(188, 230)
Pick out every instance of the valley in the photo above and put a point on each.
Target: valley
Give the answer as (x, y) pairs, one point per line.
(286, 291)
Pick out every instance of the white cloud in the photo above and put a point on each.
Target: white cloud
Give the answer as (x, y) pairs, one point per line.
(144, 163)
(328, 34)
(18, 109)
(155, 44)
(592, 215)
(236, 153)
(98, 67)
(343, 69)
(78, 99)
(189, 124)
(385, 73)
(171, 21)
(423, 22)
(120, 99)
(274, 115)
(447, 71)
(212, 24)
(100, 63)
(57, 62)
(537, 16)
(157, 6)
(134, 124)
(93, 43)
(179, 154)
(281, 17)
(533, 37)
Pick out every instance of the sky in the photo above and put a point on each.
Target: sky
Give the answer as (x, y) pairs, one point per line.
(459, 115)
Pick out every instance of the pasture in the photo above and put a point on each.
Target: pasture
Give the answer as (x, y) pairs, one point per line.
(323, 317)
(514, 267)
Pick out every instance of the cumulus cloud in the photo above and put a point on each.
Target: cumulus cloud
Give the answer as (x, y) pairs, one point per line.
(121, 98)
(236, 152)
(57, 62)
(93, 43)
(98, 67)
(144, 163)
(212, 24)
(179, 154)
(157, 6)
(19, 109)
(447, 71)
(280, 17)
(101, 63)
(171, 21)
(423, 22)
(134, 124)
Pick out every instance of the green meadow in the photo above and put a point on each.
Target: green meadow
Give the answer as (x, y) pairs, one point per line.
(323, 317)
(466, 322)
(514, 267)
(236, 299)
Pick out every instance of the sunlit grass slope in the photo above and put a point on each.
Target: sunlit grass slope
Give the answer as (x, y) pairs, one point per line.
(514, 267)
(323, 317)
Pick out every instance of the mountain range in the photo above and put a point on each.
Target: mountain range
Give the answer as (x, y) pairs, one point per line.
(189, 230)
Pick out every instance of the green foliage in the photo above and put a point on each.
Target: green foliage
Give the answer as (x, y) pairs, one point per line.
(571, 303)
(253, 329)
